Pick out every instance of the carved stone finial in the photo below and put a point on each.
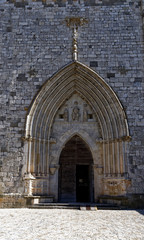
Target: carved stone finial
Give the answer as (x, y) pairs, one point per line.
(74, 23)
(75, 48)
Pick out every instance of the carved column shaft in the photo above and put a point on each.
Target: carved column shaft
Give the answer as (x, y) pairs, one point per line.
(114, 158)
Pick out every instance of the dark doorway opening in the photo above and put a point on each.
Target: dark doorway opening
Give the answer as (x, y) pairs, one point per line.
(76, 172)
(82, 183)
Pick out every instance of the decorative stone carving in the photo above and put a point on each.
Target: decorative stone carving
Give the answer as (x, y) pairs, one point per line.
(85, 113)
(53, 169)
(116, 186)
(127, 138)
(75, 109)
(66, 115)
(76, 112)
(75, 21)
(52, 140)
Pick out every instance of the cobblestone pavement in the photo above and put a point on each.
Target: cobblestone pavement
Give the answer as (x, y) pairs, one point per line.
(48, 224)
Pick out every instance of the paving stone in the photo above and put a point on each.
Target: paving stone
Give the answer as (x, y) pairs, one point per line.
(27, 224)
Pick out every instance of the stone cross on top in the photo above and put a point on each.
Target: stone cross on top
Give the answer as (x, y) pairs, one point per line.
(74, 23)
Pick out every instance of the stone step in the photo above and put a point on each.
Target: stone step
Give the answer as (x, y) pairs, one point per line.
(39, 206)
(78, 206)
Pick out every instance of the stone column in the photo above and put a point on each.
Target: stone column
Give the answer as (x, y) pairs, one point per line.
(28, 184)
(98, 175)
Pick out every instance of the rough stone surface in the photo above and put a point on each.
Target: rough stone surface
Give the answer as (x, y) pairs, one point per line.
(71, 224)
(35, 43)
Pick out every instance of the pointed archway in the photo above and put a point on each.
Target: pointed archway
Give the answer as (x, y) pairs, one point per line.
(76, 100)
(76, 172)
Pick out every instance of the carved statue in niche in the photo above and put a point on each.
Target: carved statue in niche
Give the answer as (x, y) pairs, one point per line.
(66, 114)
(76, 112)
(85, 113)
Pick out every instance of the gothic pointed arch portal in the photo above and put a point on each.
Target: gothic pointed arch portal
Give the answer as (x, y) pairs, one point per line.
(76, 101)
(76, 172)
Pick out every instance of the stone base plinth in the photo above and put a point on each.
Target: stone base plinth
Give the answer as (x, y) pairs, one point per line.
(31, 200)
(131, 200)
(12, 201)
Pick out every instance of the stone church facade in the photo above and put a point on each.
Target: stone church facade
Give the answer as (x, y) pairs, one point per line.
(71, 118)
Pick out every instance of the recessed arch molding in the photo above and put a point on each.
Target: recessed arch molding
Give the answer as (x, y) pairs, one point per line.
(108, 140)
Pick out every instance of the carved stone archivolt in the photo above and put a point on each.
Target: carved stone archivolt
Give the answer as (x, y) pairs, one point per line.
(77, 101)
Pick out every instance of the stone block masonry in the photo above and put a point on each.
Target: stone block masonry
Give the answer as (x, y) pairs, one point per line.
(35, 43)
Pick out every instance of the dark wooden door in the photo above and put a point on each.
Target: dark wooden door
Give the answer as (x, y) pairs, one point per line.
(67, 183)
(82, 183)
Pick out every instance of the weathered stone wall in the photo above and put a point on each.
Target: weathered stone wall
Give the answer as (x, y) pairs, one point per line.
(35, 43)
(12, 200)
